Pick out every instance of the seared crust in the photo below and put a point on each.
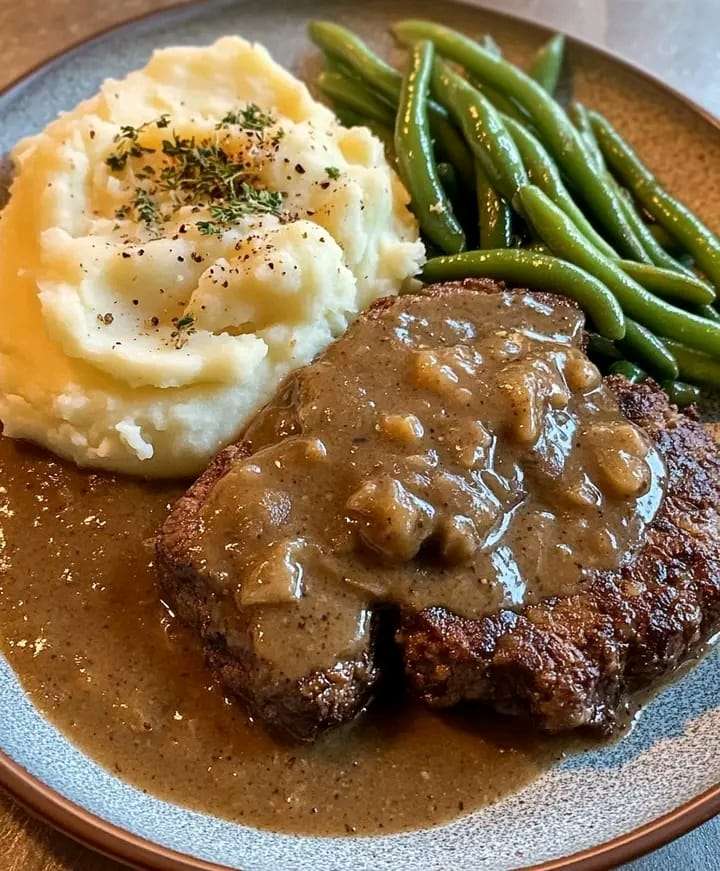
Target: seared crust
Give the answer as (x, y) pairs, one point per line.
(299, 708)
(570, 662)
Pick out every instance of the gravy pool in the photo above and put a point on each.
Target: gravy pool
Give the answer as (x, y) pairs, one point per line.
(82, 626)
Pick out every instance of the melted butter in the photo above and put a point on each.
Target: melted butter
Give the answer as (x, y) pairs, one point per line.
(82, 627)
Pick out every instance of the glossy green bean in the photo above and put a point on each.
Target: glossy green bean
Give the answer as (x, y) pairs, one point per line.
(656, 253)
(547, 63)
(484, 130)
(641, 346)
(676, 218)
(494, 213)
(344, 46)
(599, 346)
(629, 370)
(664, 239)
(416, 162)
(500, 102)
(538, 271)
(553, 125)
(694, 366)
(448, 179)
(677, 286)
(564, 240)
(543, 172)
(706, 311)
(355, 96)
(581, 118)
(680, 393)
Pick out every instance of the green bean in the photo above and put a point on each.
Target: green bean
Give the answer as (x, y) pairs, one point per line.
(449, 180)
(564, 240)
(680, 393)
(355, 96)
(450, 144)
(385, 135)
(599, 346)
(676, 218)
(536, 271)
(642, 346)
(695, 366)
(344, 46)
(629, 370)
(501, 102)
(347, 117)
(677, 286)
(494, 213)
(581, 118)
(416, 162)
(565, 143)
(706, 311)
(544, 173)
(656, 253)
(547, 63)
(483, 128)
(663, 238)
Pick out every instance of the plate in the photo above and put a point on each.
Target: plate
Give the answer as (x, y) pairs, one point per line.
(593, 810)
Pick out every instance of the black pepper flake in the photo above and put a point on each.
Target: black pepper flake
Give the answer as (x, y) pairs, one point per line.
(299, 168)
(141, 251)
(126, 254)
(181, 259)
(106, 319)
(136, 302)
(154, 321)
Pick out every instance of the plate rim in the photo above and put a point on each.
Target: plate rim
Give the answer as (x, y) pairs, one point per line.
(119, 844)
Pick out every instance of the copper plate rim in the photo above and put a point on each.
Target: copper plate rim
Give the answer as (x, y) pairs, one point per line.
(117, 843)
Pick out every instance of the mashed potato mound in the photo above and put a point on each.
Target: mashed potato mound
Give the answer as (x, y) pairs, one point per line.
(177, 244)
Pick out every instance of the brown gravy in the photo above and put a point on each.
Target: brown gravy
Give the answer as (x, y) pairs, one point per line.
(82, 627)
(455, 449)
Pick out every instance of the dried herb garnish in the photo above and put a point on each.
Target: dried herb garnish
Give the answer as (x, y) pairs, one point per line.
(333, 172)
(249, 201)
(200, 173)
(252, 117)
(184, 327)
(145, 208)
(128, 145)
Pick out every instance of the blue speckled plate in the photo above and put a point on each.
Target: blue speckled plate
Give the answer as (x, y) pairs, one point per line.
(593, 810)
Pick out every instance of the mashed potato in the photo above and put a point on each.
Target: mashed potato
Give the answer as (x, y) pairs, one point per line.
(174, 246)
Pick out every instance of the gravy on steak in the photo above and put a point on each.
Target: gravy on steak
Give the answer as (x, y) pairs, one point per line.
(455, 449)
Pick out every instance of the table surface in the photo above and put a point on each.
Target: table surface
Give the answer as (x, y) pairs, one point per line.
(675, 39)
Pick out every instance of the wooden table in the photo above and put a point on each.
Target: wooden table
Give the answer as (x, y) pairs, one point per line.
(679, 39)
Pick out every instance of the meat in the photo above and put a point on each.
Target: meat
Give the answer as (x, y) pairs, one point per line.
(453, 465)
(571, 661)
(298, 706)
